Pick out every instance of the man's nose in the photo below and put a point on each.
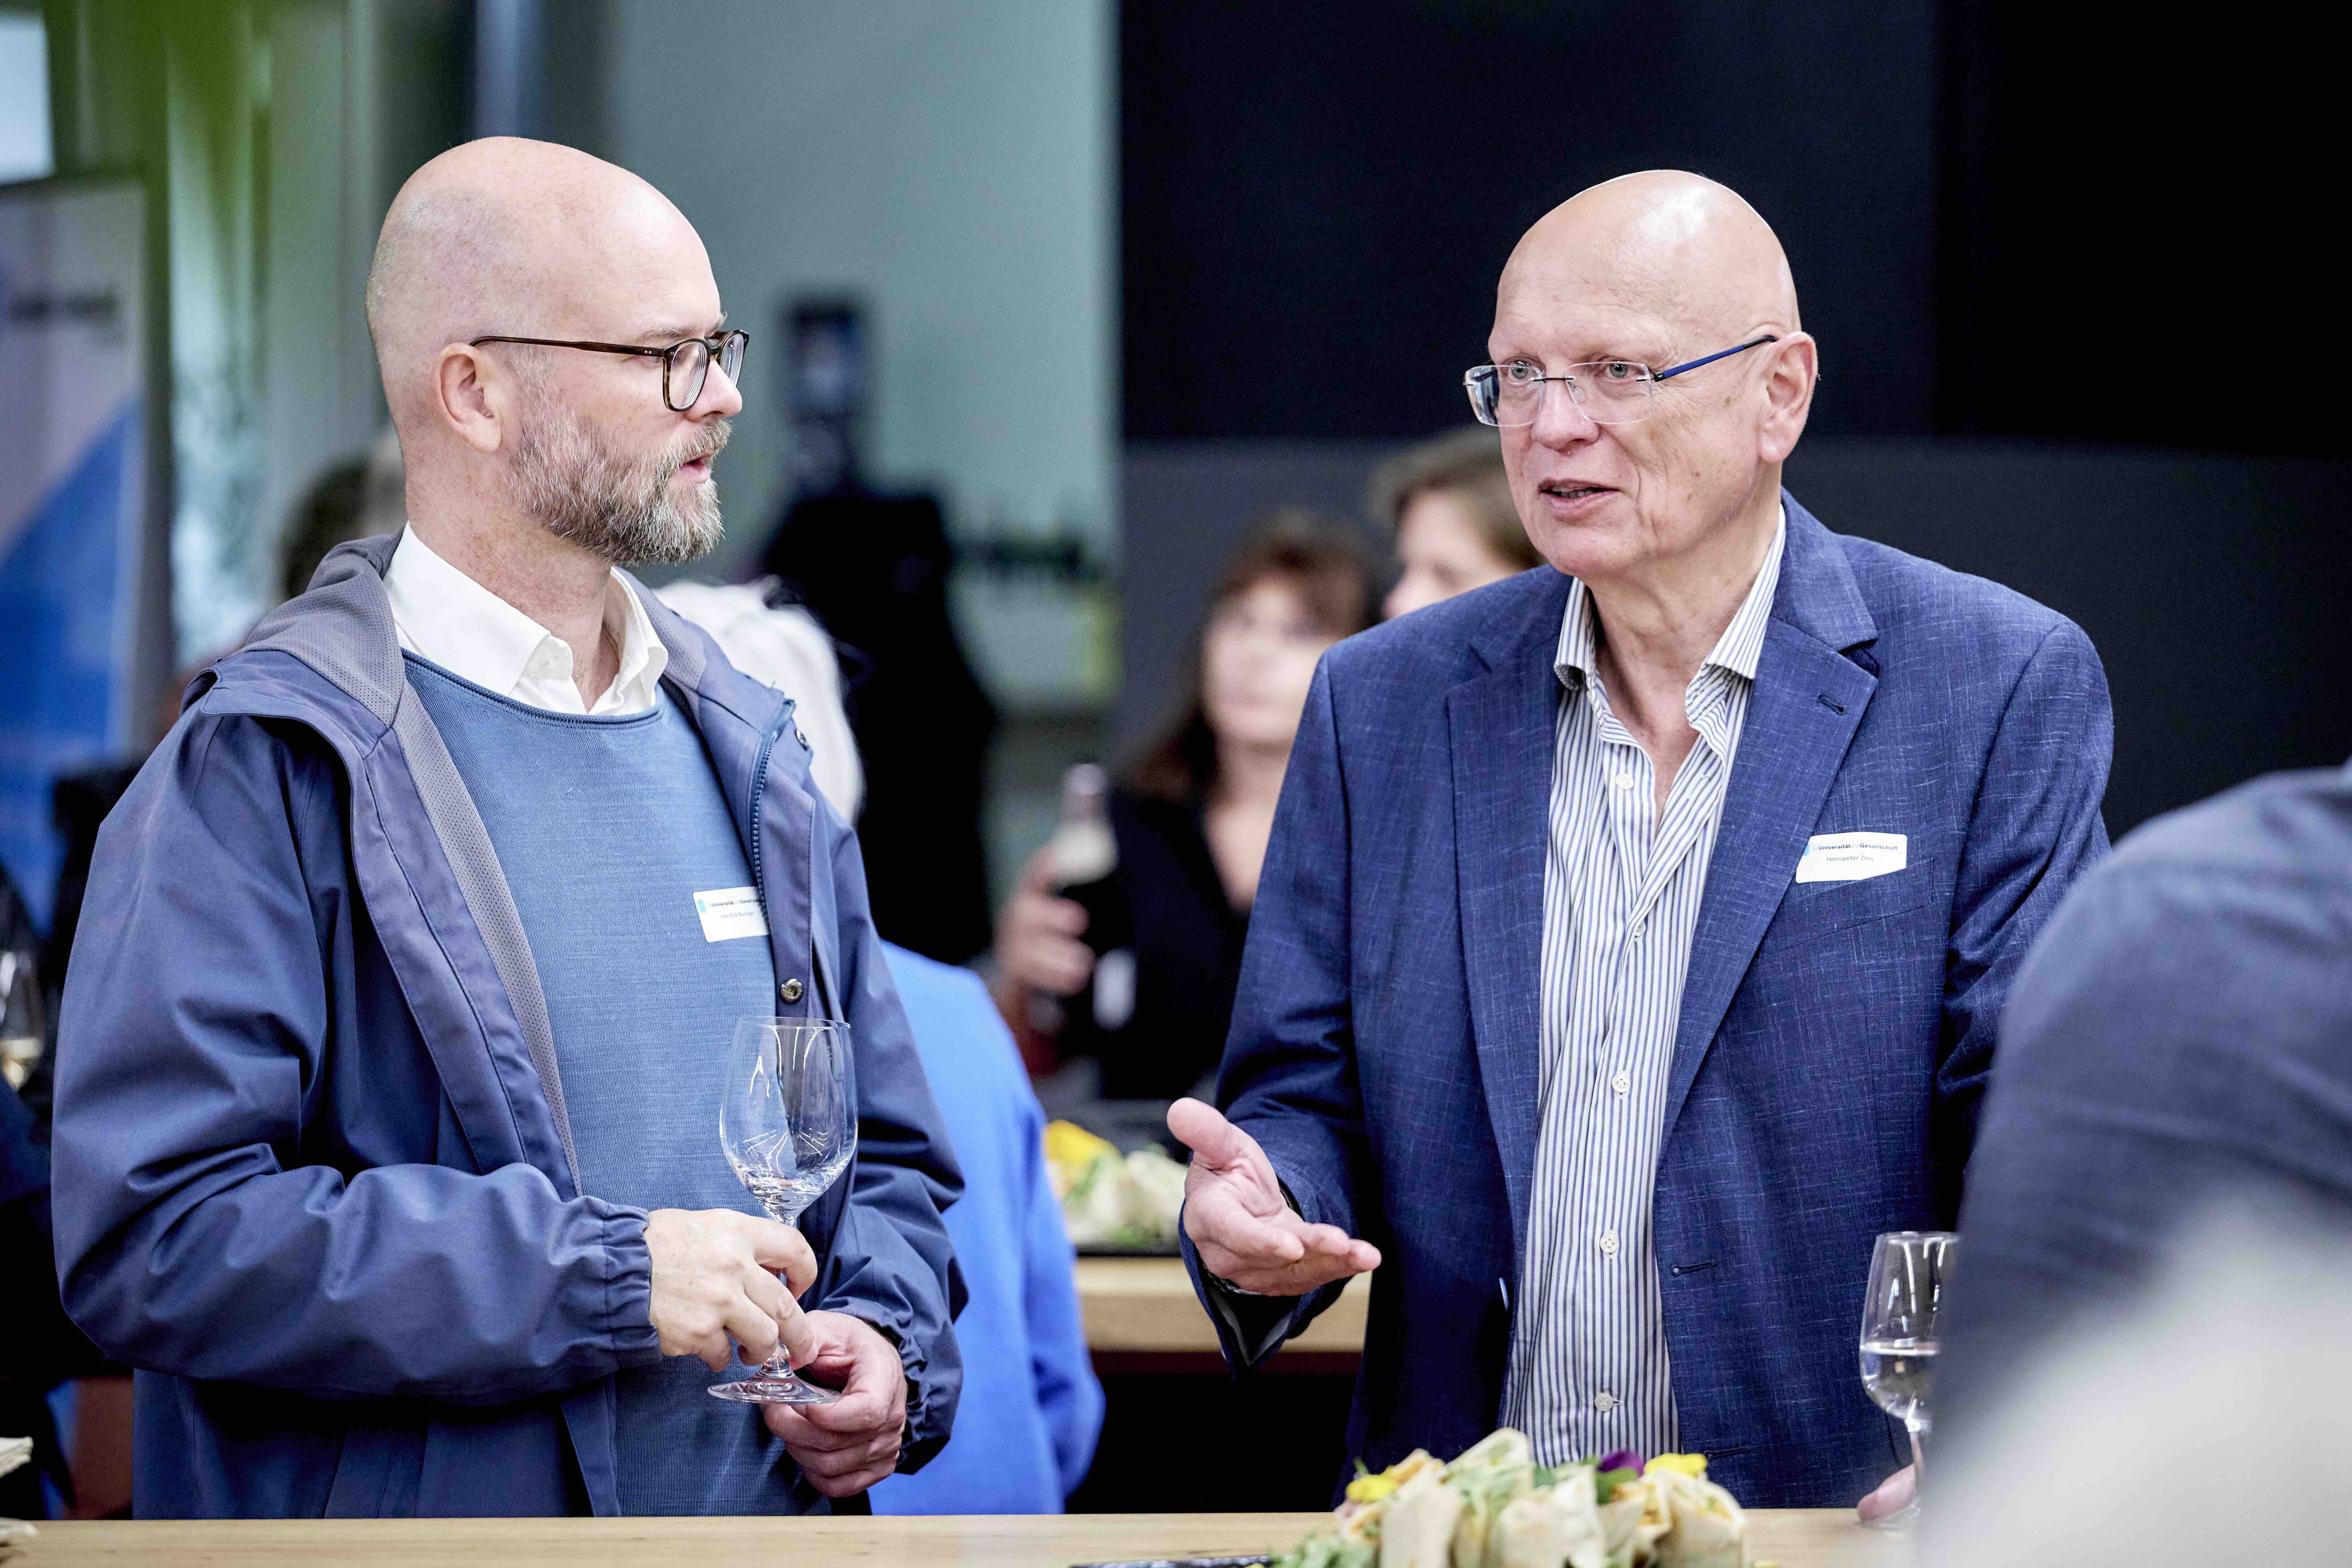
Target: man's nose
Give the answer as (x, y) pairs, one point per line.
(720, 395)
(1560, 419)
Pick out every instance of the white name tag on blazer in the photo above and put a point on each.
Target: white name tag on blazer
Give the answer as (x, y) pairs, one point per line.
(1852, 857)
(729, 912)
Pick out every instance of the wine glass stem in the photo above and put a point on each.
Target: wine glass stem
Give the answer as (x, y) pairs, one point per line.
(1917, 1427)
(779, 1365)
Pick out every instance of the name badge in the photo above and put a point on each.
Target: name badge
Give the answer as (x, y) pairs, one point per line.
(1853, 856)
(731, 913)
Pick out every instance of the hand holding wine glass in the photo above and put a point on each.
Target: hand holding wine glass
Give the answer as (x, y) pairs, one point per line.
(1908, 1271)
(714, 1286)
(788, 1122)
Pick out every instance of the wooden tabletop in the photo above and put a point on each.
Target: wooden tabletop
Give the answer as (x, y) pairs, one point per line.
(1826, 1538)
(1147, 1305)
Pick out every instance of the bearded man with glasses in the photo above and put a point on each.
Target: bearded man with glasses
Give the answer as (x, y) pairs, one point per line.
(1634, 933)
(387, 1120)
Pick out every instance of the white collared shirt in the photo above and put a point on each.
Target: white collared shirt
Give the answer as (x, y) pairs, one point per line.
(1588, 1369)
(446, 616)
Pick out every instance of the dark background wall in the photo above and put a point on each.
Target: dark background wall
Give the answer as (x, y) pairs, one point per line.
(1317, 199)
(2068, 284)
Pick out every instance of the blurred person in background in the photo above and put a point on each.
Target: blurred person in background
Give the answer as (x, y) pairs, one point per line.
(375, 1147)
(2180, 1043)
(354, 498)
(1032, 1407)
(1634, 935)
(40, 1349)
(1448, 503)
(1189, 816)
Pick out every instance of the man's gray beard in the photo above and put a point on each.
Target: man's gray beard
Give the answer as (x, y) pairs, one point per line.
(580, 489)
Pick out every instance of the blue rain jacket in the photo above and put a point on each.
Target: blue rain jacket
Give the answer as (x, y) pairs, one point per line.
(312, 1172)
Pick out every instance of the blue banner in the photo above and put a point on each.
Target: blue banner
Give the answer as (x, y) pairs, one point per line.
(72, 465)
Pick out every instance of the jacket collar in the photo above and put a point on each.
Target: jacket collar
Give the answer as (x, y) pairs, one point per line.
(342, 628)
(1817, 596)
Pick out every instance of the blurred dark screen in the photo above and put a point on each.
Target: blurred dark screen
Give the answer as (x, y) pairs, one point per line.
(2001, 222)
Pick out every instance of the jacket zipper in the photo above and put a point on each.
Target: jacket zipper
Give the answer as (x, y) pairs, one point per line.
(759, 796)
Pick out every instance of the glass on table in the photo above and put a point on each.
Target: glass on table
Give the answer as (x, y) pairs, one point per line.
(788, 1121)
(1908, 1272)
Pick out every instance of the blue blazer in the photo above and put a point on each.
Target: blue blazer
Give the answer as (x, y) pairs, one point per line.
(1834, 1036)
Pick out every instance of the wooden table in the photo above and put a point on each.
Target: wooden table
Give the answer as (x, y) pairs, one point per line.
(1144, 1307)
(1826, 1538)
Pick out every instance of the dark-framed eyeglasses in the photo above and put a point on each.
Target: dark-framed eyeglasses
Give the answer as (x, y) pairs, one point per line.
(1609, 391)
(685, 365)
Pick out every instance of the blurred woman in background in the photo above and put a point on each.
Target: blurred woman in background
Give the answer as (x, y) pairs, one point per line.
(1449, 504)
(1143, 987)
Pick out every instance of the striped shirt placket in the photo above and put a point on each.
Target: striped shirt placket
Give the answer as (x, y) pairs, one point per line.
(1589, 1367)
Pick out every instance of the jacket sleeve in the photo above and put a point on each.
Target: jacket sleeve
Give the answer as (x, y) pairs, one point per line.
(2034, 829)
(890, 1261)
(217, 1216)
(1289, 1073)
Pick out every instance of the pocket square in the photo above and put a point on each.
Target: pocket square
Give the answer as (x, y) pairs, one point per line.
(1853, 856)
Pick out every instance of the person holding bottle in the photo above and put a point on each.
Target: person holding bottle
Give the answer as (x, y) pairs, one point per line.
(1122, 943)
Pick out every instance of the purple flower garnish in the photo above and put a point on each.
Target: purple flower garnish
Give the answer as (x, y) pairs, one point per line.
(1620, 1460)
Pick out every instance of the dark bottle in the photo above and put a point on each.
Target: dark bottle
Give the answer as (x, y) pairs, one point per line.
(1085, 857)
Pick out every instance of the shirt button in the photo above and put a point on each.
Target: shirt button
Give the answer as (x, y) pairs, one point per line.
(1609, 1242)
(1604, 1402)
(1624, 781)
(1638, 927)
(1622, 1083)
(789, 991)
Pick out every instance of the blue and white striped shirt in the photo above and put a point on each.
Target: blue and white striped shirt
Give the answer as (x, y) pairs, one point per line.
(1588, 1365)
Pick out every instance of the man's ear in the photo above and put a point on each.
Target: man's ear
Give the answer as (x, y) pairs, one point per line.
(1789, 383)
(472, 394)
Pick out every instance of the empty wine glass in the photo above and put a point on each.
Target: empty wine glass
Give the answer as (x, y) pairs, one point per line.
(788, 1120)
(1908, 1271)
(21, 1035)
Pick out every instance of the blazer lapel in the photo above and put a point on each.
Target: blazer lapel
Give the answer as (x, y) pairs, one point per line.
(1500, 725)
(1807, 704)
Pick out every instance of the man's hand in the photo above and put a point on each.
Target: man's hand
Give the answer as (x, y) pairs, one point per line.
(1037, 931)
(1236, 1213)
(847, 1445)
(711, 1279)
(1893, 1496)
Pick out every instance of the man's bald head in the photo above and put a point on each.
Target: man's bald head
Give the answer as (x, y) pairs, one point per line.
(1676, 247)
(517, 237)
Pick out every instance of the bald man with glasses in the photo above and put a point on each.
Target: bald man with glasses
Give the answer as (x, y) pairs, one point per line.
(1634, 931)
(387, 1132)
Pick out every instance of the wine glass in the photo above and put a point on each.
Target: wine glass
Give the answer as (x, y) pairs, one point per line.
(1908, 1271)
(788, 1120)
(22, 1037)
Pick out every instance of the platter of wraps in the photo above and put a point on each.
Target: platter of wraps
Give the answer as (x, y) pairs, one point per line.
(1495, 1507)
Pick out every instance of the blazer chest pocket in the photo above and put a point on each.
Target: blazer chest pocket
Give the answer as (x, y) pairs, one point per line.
(1814, 909)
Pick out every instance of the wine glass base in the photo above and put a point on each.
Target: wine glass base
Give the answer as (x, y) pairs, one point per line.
(785, 1389)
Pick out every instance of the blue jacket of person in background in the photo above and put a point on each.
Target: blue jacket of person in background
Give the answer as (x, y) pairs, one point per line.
(312, 1174)
(1032, 1408)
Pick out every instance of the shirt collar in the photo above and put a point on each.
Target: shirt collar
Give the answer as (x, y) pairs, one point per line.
(443, 615)
(1738, 650)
